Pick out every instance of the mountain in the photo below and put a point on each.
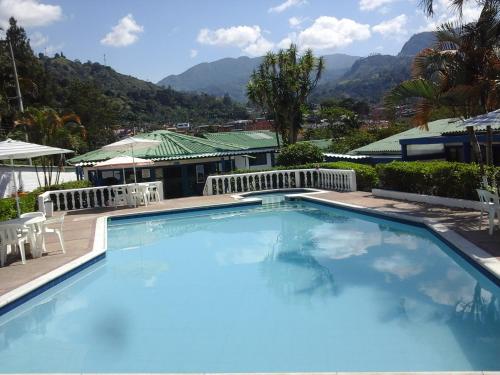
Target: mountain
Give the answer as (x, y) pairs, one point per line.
(139, 101)
(368, 79)
(417, 43)
(230, 75)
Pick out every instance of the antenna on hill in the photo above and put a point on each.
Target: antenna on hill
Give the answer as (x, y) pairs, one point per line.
(105, 60)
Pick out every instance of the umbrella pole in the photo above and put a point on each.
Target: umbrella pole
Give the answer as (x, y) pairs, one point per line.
(135, 177)
(15, 186)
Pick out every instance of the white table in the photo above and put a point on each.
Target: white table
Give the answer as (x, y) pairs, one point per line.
(34, 227)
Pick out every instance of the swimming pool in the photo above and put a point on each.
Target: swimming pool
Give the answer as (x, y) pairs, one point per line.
(295, 286)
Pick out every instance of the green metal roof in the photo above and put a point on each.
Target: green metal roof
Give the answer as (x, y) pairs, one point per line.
(390, 145)
(245, 139)
(173, 146)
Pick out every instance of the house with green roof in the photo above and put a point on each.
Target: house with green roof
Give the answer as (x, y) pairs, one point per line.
(445, 139)
(183, 162)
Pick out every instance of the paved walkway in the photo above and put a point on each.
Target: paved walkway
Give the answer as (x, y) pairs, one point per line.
(79, 230)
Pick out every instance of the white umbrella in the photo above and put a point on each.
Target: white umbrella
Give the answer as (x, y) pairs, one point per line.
(132, 143)
(490, 118)
(11, 149)
(123, 162)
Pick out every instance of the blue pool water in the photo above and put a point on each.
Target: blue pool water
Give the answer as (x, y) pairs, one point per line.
(282, 287)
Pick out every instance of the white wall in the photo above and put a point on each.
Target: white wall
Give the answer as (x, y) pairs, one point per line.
(27, 180)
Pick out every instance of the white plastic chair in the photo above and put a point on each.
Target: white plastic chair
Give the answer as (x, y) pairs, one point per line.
(12, 234)
(54, 226)
(153, 193)
(120, 196)
(32, 214)
(490, 203)
(143, 194)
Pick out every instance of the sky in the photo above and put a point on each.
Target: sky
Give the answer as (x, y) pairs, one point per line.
(151, 39)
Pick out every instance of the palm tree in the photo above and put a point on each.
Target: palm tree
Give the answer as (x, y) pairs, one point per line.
(47, 127)
(460, 73)
(281, 86)
(428, 5)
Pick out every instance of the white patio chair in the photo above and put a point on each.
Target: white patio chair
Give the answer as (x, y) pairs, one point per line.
(32, 214)
(139, 195)
(54, 225)
(153, 193)
(12, 234)
(491, 204)
(120, 197)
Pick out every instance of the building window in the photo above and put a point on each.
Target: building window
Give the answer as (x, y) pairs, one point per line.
(200, 174)
(257, 159)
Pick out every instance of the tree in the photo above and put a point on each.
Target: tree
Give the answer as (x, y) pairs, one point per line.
(47, 127)
(342, 121)
(281, 86)
(98, 113)
(428, 5)
(299, 154)
(461, 73)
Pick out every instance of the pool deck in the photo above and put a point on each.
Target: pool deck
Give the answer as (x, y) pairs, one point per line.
(79, 229)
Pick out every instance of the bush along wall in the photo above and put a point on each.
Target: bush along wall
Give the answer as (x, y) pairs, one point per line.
(441, 178)
(28, 201)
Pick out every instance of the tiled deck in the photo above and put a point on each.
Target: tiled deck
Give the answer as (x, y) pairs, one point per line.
(79, 229)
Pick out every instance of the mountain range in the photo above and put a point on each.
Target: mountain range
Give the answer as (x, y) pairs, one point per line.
(366, 78)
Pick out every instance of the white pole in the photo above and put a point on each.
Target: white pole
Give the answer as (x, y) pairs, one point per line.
(135, 178)
(133, 162)
(15, 187)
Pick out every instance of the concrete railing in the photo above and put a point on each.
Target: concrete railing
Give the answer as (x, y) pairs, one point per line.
(85, 198)
(329, 179)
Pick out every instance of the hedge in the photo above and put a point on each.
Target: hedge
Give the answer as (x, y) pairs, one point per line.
(8, 209)
(366, 175)
(28, 202)
(441, 178)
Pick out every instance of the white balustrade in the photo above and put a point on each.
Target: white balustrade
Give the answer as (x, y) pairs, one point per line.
(93, 197)
(329, 179)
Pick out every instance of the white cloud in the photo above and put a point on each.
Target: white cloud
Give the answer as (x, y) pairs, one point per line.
(445, 12)
(193, 53)
(296, 22)
(328, 33)
(259, 48)
(285, 5)
(37, 39)
(285, 43)
(29, 13)
(395, 27)
(373, 4)
(124, 33)
(248, 38)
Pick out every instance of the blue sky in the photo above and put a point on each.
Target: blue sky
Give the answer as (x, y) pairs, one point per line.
(150, 39)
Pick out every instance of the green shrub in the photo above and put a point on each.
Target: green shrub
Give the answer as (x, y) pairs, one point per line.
(366, 175)
(8, 210)
(299, 153)
(64, 186)
(29, 203)
(441, 178)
